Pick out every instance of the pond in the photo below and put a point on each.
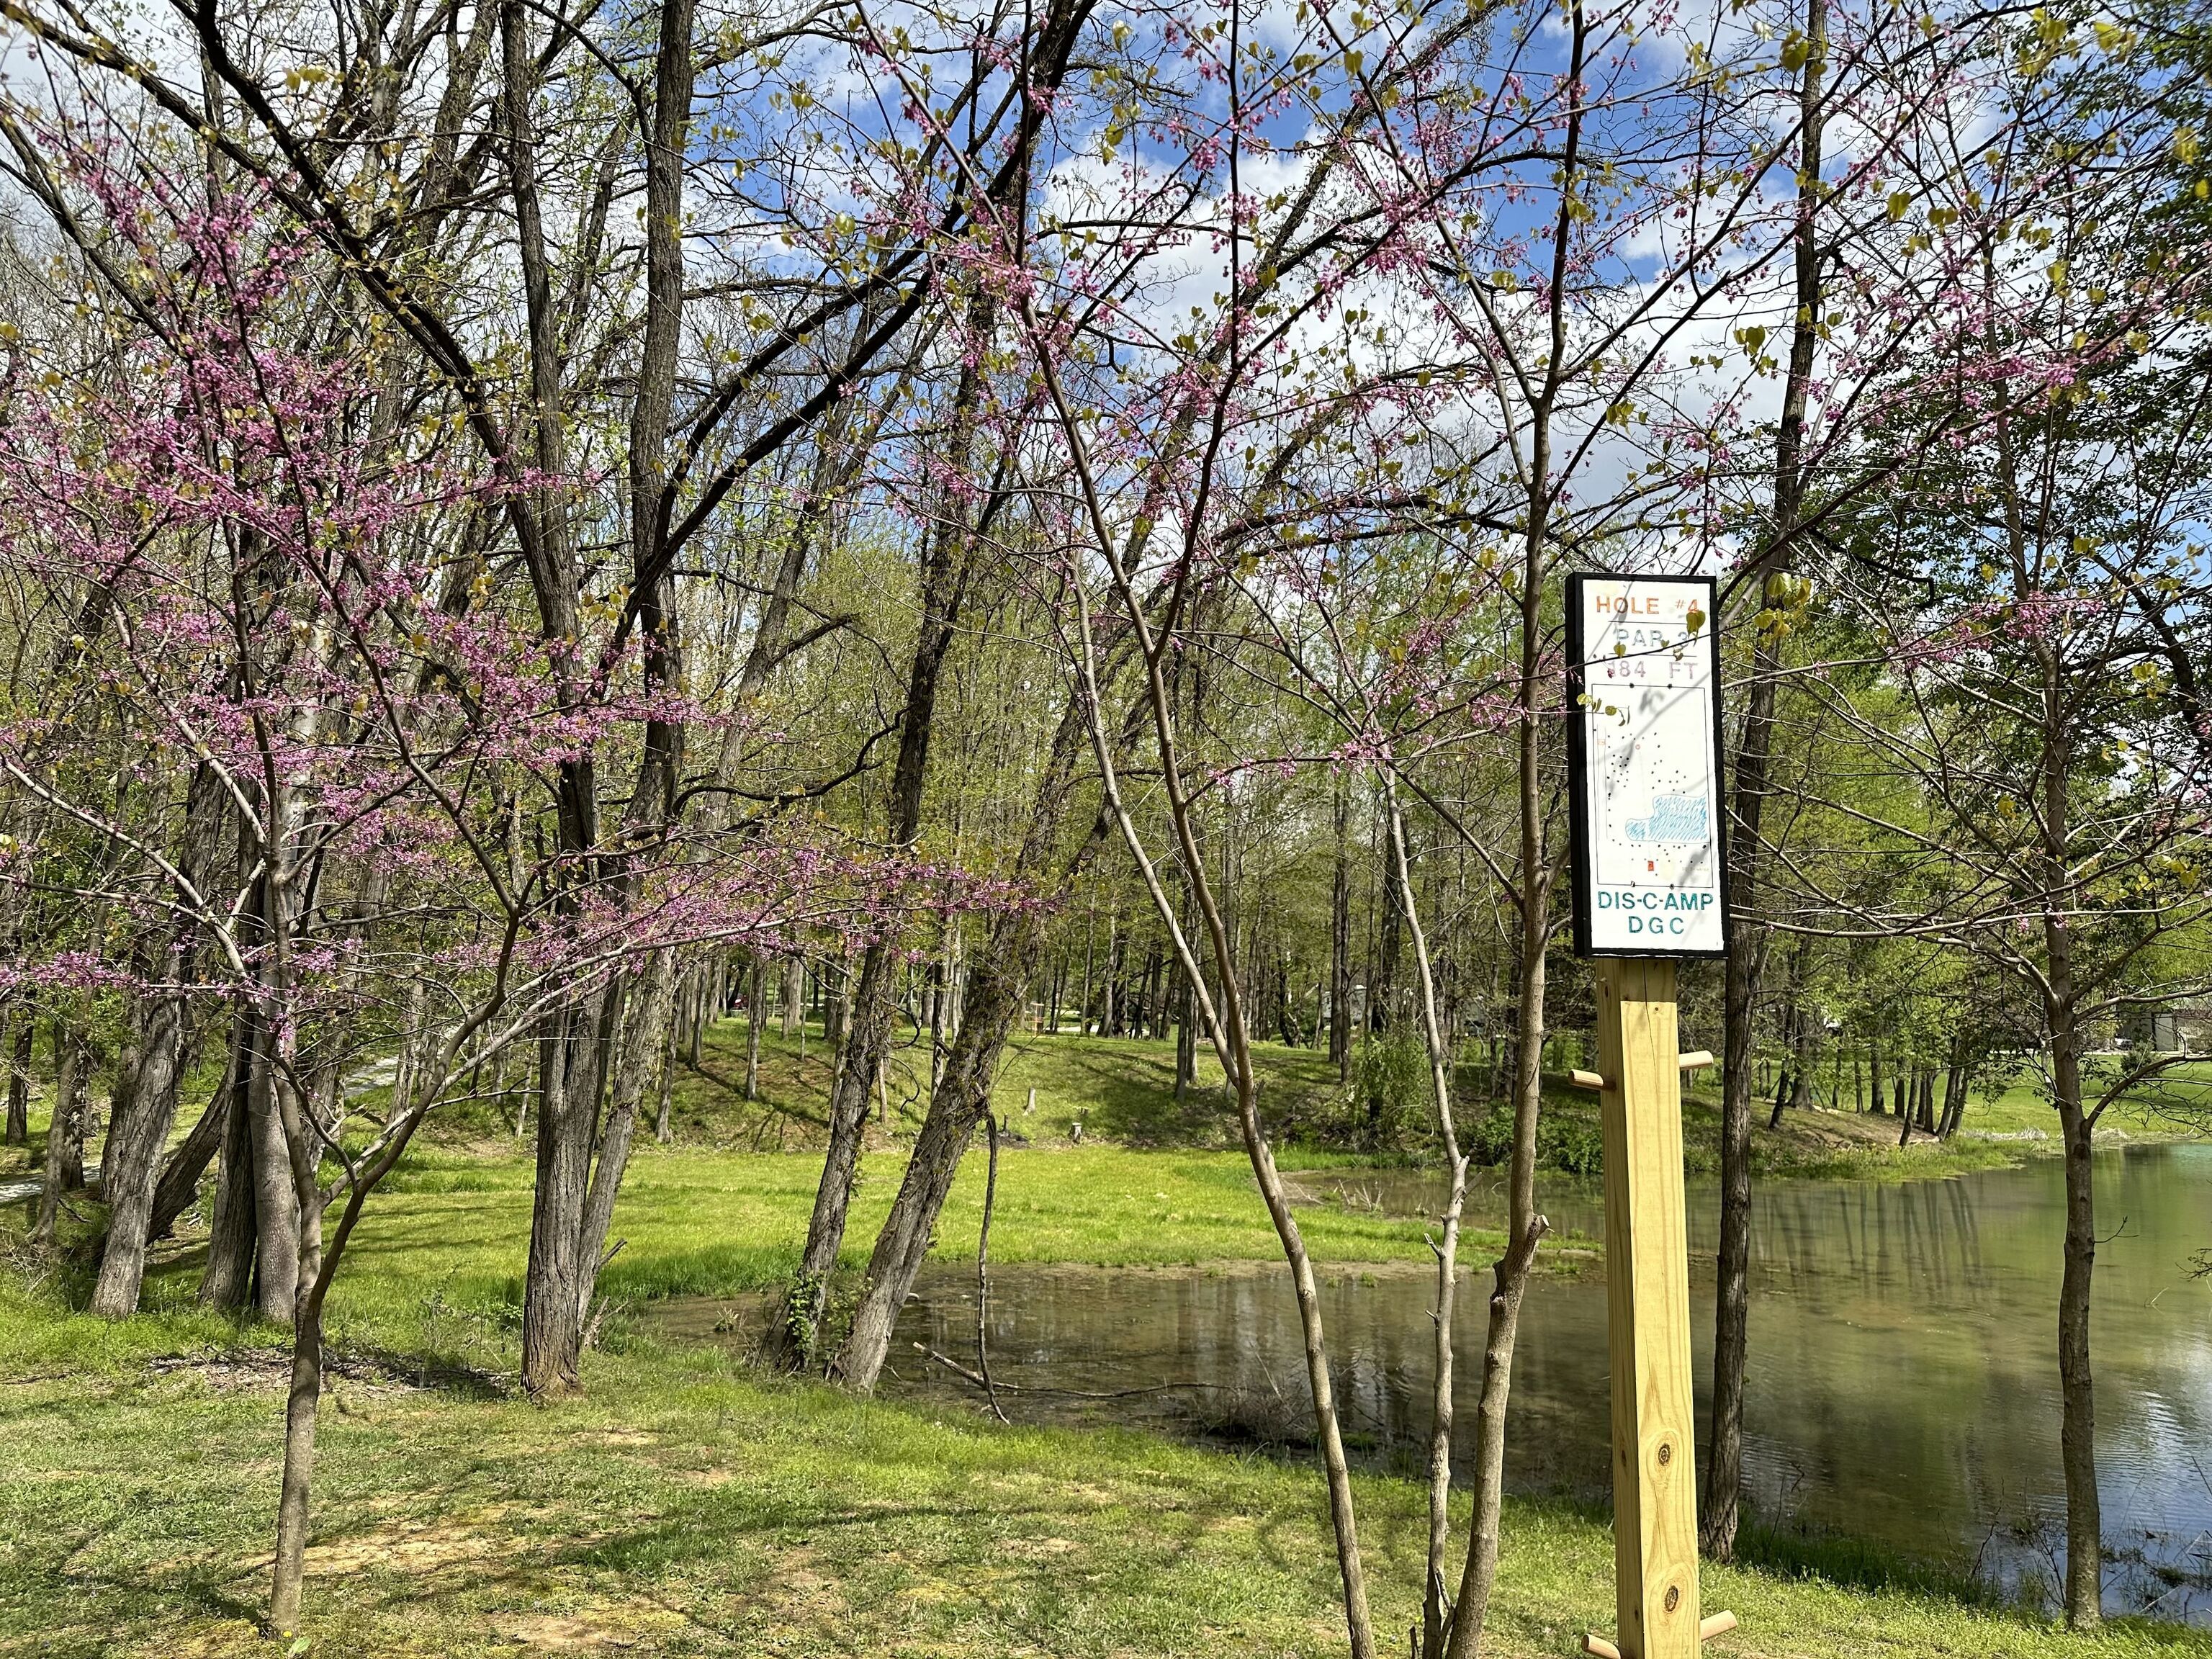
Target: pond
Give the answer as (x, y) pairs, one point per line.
(1903, 1387)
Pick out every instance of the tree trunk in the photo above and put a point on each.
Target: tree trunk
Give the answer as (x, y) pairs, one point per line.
(1746, 944)
(19, 1077)
(1802, 1063)
(1109, 1015)
(1435, 1607)
(664, 1132)
(836, 1007)
(1524, 1227)
(753, 1012)
(1382, 990)
(179, 1188)
(995, 995)
(2077, 1439)
(2077, 1391)
(131, 1165)
(1227, 1026)
(643, 1034)
(560, 1279)
(64, 1169)
(414, 1017)
(1795, 1025)
(1800, 1084)
(228, 1279)
(1509, 1277)
(1954, 1102)
(995, 998)
(310, 1284)
(302, 1404)
(945, 581)
(791, 1339)
(1186, 1062)
(276, 1206)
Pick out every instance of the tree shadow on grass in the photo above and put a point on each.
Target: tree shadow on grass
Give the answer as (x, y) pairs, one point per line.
(1028, 1566)
(1799, 1551)
(1127, 1093)
(153, 1603)
(434, 1372)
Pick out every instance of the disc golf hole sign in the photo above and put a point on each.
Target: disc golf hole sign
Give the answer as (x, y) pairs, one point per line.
(1645, 765)
(1645, 783)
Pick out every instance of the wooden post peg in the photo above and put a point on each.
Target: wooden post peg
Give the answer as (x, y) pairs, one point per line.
(1718, 1624)
(1590, 1080)
(1691, 1061)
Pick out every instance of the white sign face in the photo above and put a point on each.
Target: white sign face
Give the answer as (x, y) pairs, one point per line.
(1645, 765)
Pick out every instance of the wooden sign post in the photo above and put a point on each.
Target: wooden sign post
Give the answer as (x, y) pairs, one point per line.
(1646, 784)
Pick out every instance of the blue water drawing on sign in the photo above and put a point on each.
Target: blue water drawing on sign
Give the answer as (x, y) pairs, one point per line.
(1674, 817)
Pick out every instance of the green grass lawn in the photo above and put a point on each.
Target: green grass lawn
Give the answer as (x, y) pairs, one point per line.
(2179, 1103)
(685, 1506)
(688, 1506)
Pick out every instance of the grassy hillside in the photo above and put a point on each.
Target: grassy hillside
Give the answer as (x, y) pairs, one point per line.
(1122, 1089)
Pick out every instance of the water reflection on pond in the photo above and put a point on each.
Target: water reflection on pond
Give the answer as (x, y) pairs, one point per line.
(1903, 1385)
